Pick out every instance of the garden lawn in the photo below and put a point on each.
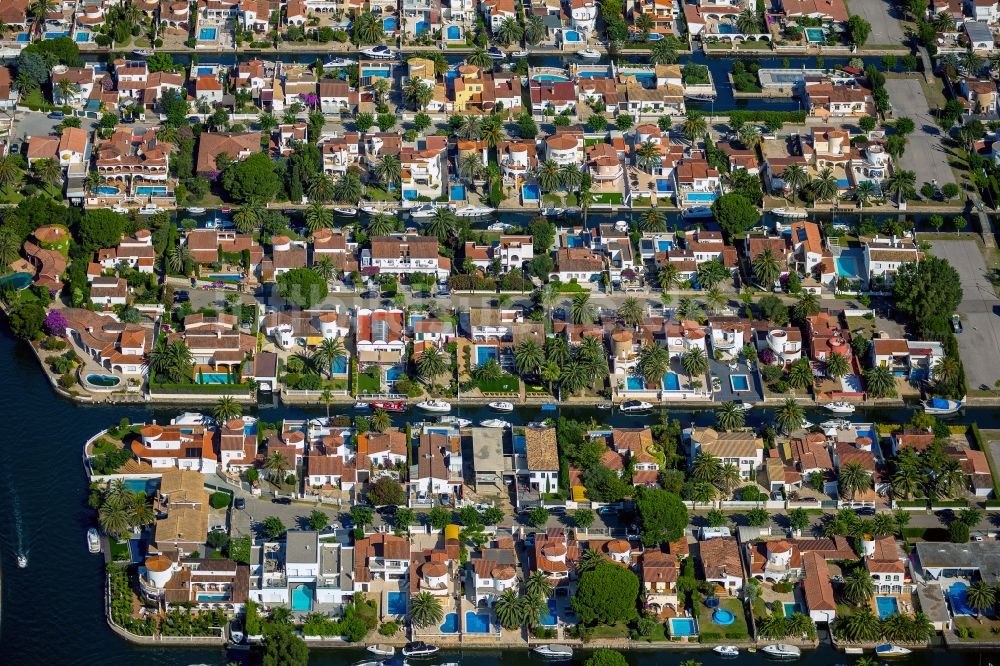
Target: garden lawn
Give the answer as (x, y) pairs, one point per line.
(369, 384)
(718, 633)
(609, 198)
(506, 384)
(618, 630)
(119, 550)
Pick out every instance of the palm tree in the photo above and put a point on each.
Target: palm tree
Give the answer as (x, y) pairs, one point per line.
(729, 417)
(706, 467)
(652, 221)
(276, 464)
(644, 24)
(789, 416)
(178, 257)
(318, 217)
(729, 478)
(509, 610)
(481, 59)
(971, 61)
(9, 247)
(509, 31)
(417, 93)
(529, 357)
(716, 300)
(267, 122)
(766, 268)
(631, 312)
(800, 374)
(425, 610)
(825, 186)
(534, 30)
(10, 171)
(853, 479)
(981, 596)
(557, 350)
(538, 586)
(905, 482)
(836, 365)
(431, 364)
(654, 363)
(471, 129)
(547, 296)
(795, 177)
(549, 176)
(247, 217)
(694, 126)
(574, 378)
(581, 309)
(389, 171)
(901, 185)
(951, 480)
(368, 29)
(47, 171)
(322, 188)
(593, 357)
(807, 306)
(380, 420)
(470, 166)
(381, 224)
(858, 587)
(695, 362)
(441, 224)
(326, 397)
(688, 308)
(328, 352)
(880, 382)
(348, 188)
(668, 276)
(747, 22)
(864, 192)
(551, 373)
(662, 53)
(226, 408)
(114, 518)
(860, 626)
(589, 559)
(947, 371)
(749, 136)
(39, 10)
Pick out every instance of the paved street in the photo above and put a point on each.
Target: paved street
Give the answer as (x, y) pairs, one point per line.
(36, 123)
(883, 15)
(924, 154)
(979, 341)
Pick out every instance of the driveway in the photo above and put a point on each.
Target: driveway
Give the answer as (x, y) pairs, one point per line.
(884, 19)
(979, 341)
(924, 154)
(37, 123)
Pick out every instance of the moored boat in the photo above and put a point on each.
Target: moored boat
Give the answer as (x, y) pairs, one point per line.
(839, 407)
(589, 54)
(782, 651)
(93, 540)
(456, 421)
(382, 650)
(942, 406)
(424, 211)
(474, 211)
(419, 649)
(697, 212)
(197, 210)
(501, 406)
(336, 63)
(22, 561)
(495, 423)
(553, 651)
(434, 406)
(793, 213)
(346, 212)
(890, 650)
(727, 650)
(389, 405)
(632, 406)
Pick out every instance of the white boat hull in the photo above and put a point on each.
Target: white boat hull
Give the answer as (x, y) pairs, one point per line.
(697, 213)
(840, 408)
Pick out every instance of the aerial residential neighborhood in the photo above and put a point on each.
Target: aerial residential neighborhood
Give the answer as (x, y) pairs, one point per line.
(568, 327)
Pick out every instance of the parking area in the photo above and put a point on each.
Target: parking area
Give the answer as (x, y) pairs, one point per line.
(883, 15)
(979, 341)
(924, 155)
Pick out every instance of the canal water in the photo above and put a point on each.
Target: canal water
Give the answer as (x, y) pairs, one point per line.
(52, 611)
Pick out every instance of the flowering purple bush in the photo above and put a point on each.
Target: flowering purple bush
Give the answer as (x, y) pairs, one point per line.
(767, 357)
(55, 323)
(311, 99)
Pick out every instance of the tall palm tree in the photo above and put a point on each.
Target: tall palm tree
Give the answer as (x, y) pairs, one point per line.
(114, 518)
(509, 610)
(695, 362)
(247, 217)
(668, 276)
(381, 224)
(348, 188)
(441, 224)
(654, 363)
(836, 365)
(662, 53)
(529, 357)
(947, 371)
(632, 312)
(747, 22)
(389, 171)
(557, 350)
(824, 186)
(647, 155)
(178, 257)
(906, 482)
(10, 171)
(318, 217)
(864, 192)
(689, 308)
(322, 188)
(470, 166)
(509, 31)
(534, 30)
(729, 417)
(853, 479)
(328, 352)
(571, 177)
(380, 420)
(581, 310)
(480, 58)
(431, 364)
(644, 24)
(981, 596)
(729, 479)
(425, 610)
(9, 247)
(276, 464)
(493, 132)
(789, 416)
(652, 220)
(226, 408)
(417, 93)
(749, 136)
(880, 382)
(800, 374)
(549, 176)
(716, 299)
(766, 268)
(39, 10)
(547, 296)
(47, 171)
(694, 125)
(807, 306)
(368, 29)
(538, 586)
(858, 586)
(901, 185)
(795, 177)
(706, 467)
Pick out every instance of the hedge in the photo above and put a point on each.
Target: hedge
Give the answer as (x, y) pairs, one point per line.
(225, 389)
(219, 500)
(745, 116)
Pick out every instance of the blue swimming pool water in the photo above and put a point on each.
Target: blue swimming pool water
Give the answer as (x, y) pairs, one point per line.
(550, 77)
(23, 38)
(548, 616)
(57, 35)
(701, 197)
(17, 280)
(654, 37)
(573, 241)
(82, 37)
(572, 36)
(221, 277)
(740, 382)
(147, 190)
(664, 186)
(302, 598)
(886, 606)
(664, 246)
(457, 192)
(147, 486)
(634, 383)
(476, 623)
(106, 190)
(723, 616)
(208, 34)
(958, 595)
(530, 192)
(205, 71)
(397, 604)
(843, 182)
(394, 373)
(591, 74)
(250, 428)
(339, 365)
(212, 378)
(682, 626)
(450, 625)
(790, 607)
(377, 73)
(212, 597)
(520, 444)
(454, 32)
(423, 27)
(390, 24)
(849, 263)
(815, 35)
(727, 29)
(106, 381)
(671, 382)
(484, 353)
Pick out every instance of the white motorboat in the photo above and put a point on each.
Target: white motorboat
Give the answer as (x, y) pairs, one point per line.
(589, 54)
(347, 212)
(501, 406)
(474, 211)
(792, 213)
(121, 210)
(697, 212)
(727, 650)
(382, 650)
(634, 406)
(743, 406)
(495, 423)
(496, 53)
(379, 210)
(419, 649)
(840, 407)
(835, 424)
(890, 650)
(500, 226)
(143, 53)
(456, 421)
(22, 561)
(782, 651)
(604, 405)
(942, 406)
(519, 54)
(336, 63)
(552, 212)
(379, 52)
(553, 651)
(93, 541)
(424, 211)
(150, 209)
(807, 424)
(434, 406)
(370, 663)
(197, 210)
(536, 424)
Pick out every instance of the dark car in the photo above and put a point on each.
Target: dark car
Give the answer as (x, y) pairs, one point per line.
(866, 511)
(281, 500)
(240, 503)
(387, 510)
(56, 115)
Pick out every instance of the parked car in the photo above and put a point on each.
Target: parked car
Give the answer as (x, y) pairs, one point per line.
(239, 503)
(56, 115)
(866, 511)
(281, 500)
(956, 323)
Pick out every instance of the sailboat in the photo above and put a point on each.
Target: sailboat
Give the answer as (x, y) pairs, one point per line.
(22, 560)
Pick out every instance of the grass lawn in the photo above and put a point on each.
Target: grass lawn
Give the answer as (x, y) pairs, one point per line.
(10, 195)
(723, 632)
(368, 383)
(378, 194)
(618, 630)
(659, 634)
(641, 202)
(553, 200)
(592, 142)
(571, 199)
(980, 626)
(611, 198)
(506, 384)
(536, 389)
(336, 384)
(119, 550)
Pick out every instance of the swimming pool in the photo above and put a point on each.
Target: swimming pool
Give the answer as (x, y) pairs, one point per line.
(453, 32)
(212, 597)
(572, 36)
(635, 383)
(390, 24)
(520, 444)
(574, 241)
(664, 186)
(789, 608)
(224, 277)
(739, 383)
(339, 365)
(82, 37)
(815, 35)
(208, 34)
(147, 486)
(550, 77)
(476, 623)
(723, 617)
(250, 428)
(843, 182)
(457, 192)
(205, 71)
(664, 246)
(484, 353)
(394, 373)
(212, 378)
(849, 263)
(727, 29)
(530, 192)
(106, 190)
(654, 37)
(23, 38)
(17, 280)
(701, 197)
(302, 598)
(548, 616)
(671, 382)
(56, 35)
(106, 381)
(397, 604)
(886, 606)
(958, 595)
(377, 73)
(423, 27)
(450, 625)
(148, 190)
(682, 626)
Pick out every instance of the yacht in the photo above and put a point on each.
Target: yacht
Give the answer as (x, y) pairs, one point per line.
(456, 421)
(474, 211)
(519, 54)
(382, 650)
(890, 650)
(150, 209)
(495, 423)
(840, 407)
(604, 406)
(552, 212)
(377, 210)
(835, 424)
(632, 406)
(727, 650)
(782, 651)
(93, 540)
(434, 406)
(553, 650)
(500, 226)
(495, 53)
(379, 52)
(793, 213)
(697, 212)
(389, 405)
(743, 406)
(419, 649)
(336, 63)
(197, 210)
(22, 561)
(502, 406)
(589, 54)
(424, 211)
(347, 212)
(942, 406)
(143, 53)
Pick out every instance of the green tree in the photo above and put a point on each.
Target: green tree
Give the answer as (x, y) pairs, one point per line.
(880, 382)
(735, 213)
(100, 228)
(583, 518)
(318, 520)
(226, 408)
(605, 657)
(859, 30)
(302, 287)
(853, 479)
(273, 527)
(789, 416)
(729, 417)
(538, 516)
(425, 610)
(606, 594)
(386, 491)
(282, 647)
(766, 268)
(836, 365)
(858, 586)
(662, 514)
(252, 179)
